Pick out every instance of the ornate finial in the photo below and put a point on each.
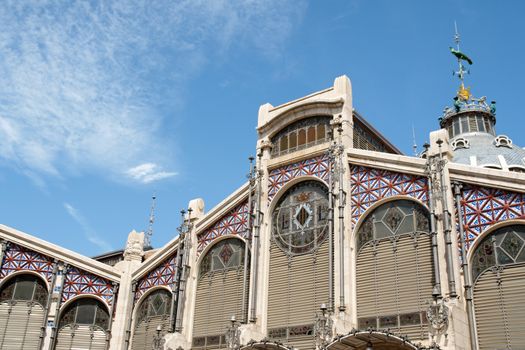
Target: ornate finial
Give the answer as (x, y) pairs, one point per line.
(149, 232)
(414, 145)
(463, 92)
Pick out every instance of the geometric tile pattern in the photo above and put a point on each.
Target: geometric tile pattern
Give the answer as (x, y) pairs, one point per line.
(235, 222)
(18, 258)
(80, 282)
(370, 185)
(317, 166)
(483, 206)
(162, 275)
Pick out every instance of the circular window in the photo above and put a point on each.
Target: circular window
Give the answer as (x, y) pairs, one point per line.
(300, 219)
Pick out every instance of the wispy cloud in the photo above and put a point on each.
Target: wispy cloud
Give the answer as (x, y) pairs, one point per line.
(148, 172)
(82, 84)
(90, 234)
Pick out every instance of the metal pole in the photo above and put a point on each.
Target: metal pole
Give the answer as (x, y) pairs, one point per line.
(342, 200)
(446, 225)
(182, 279)
(436, 292)
(256, 228)
(175, 289)
(244, 311)
(132, 299)
(466, 270)
(112, 311)
(330, 234)
(54, 331)
(48, 304)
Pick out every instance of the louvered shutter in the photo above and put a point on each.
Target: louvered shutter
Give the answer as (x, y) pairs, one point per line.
(394, 285)
(295, 292)
(219, 297)
(81, 337)
(145, 332)
(20, 325)
(500, 309)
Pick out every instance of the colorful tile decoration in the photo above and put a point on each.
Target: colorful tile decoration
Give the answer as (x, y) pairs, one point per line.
(163, 275)
(317, 166)
(482, 207)
(235, 222)
(370, 185)
(79, 282)
(18, 258)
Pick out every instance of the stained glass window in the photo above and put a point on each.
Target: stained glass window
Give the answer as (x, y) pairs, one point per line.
(300, 218)
(25, 287)
(86, 311)
(392, 219)
(158, 303)
(225, 255)
(301, 134)
(503, 247)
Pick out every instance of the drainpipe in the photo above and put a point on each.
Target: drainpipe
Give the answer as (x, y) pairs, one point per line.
(48, 304)
(132, 300)
(446, 224)
(244, 311)
(436, 291)
(54, 330)
(108, 333)
(466, 269)
(256, 231)
(182, 278)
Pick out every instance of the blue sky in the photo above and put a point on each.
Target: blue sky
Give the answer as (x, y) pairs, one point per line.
(104, 103)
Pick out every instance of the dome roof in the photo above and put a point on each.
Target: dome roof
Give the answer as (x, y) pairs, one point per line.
(485, 150)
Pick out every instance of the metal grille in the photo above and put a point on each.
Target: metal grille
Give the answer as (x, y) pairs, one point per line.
(152, 312)
(81, 336)
(20, 323)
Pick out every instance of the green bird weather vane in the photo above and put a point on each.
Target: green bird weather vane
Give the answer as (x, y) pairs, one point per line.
(463, 93)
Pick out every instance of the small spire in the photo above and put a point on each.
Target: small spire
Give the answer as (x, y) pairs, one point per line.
(149, 232)
(414, 145)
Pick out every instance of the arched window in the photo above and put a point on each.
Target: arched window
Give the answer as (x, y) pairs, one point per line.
(498, 272)
(301, 134)
(219, 293)
(23, 300)
(153, 311)
(394, 278)
(83, 325)
(299, 267)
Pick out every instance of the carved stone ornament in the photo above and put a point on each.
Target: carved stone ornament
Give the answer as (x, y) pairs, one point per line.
(134, 246)
(437, 315)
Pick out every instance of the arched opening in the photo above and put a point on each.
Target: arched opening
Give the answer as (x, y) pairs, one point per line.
(498, 270)
(376, 340)
(83, 324)
(299, 265)
(23, 301)
(219, 294)
(394, 277)
(152, 312)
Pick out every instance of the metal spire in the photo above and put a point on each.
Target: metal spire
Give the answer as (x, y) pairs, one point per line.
(414, 145)
(149, 232)
(463, 93)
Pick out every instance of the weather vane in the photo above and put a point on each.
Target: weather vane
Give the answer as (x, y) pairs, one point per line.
(463, 93)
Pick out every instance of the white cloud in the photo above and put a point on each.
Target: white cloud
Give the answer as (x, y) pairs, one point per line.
(148, 172)
(90, 234)
(82, 83)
